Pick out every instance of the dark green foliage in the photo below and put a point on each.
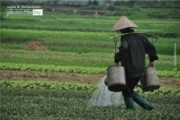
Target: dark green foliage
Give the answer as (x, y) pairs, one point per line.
(2, 17)
(111, 7)
(7, 2)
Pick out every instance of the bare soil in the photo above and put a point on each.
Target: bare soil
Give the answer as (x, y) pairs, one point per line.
(71, 77)
(36, 46)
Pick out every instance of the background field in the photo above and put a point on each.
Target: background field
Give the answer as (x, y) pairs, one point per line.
(55, 78)
(76, 41)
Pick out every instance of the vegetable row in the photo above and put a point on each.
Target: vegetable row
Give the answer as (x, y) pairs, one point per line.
(72, 69)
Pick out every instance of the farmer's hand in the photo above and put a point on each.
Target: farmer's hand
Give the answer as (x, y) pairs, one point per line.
(151, 64)
(116, 64)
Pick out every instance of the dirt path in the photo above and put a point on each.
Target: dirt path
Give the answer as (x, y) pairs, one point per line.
(83, 78)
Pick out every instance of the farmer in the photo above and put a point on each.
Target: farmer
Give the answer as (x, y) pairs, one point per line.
(131, 54)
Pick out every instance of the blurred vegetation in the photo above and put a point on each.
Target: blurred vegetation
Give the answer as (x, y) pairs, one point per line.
(73, 32)
(134, 9)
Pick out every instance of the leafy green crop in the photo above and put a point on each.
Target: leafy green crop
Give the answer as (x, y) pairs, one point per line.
(47, 85)
(71, 69)
(61, 104)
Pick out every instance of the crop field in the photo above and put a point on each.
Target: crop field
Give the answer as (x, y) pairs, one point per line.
(64, 101)
(51, 65)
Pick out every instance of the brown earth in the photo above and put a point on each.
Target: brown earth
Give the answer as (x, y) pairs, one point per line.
(36, 46)
(73, 77)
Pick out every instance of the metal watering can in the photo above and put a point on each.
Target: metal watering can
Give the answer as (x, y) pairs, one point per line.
(150, 82)
(115, 80)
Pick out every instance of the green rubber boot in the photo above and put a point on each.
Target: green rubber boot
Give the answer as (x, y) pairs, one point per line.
(129, 103)
(141, 101)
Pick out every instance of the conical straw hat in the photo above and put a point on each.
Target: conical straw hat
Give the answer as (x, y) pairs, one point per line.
(122, 23)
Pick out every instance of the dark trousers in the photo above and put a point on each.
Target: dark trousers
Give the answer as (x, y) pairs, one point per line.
(131, 82)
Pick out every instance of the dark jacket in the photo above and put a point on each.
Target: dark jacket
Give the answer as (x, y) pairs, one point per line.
(132, 54)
